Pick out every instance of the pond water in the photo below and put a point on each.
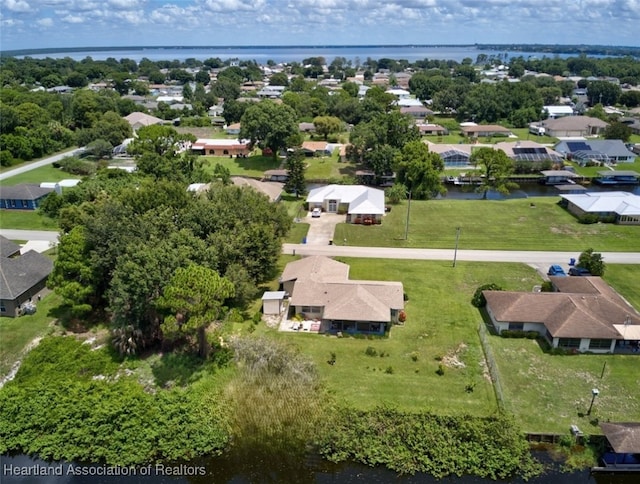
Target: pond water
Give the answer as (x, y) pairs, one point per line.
(240, 468)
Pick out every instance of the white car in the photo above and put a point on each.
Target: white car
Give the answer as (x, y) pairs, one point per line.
(315, 213)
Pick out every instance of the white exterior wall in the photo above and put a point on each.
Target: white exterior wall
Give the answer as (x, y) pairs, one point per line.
(271, 306)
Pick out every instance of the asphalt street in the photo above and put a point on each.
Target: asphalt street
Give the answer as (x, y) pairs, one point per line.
(37, 164)
(525, 257)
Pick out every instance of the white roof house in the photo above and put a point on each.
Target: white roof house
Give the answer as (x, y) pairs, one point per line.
(558, 111)
(624, 206)
(358, 199)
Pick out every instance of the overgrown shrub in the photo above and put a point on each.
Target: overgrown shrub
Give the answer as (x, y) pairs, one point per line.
(478, 299)
(588, 218)
(371, 351)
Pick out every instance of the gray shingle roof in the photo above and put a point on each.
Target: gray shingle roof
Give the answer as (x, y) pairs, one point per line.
(24, 192)
(19, 274)
(7, 248)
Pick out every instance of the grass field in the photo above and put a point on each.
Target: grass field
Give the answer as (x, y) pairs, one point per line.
(17, 333)
(440, 322)
(328, 167)
(43, 174)
(489, 224)
(253, 166)
(549, 393)
(26, 220)
(592, 171)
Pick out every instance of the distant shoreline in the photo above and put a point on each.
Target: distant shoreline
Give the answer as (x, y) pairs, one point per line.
(612, 50)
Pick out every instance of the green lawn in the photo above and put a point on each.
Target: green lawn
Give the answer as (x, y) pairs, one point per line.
(455, 137)
(43, 174)
(592, 171)
(327, 167)
(253, 166)
(489, 224)
(549, 393)
(17, 333)
(7, 168)
(440, 321)
(26, 220)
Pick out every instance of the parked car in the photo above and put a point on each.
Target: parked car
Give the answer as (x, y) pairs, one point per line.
(315, 213)
(579, 271)
(556, 270)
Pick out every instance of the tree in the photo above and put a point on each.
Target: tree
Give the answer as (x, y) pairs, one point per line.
(194, 299)
(603, 92)
(73, 277)
(419, 170)
(592, 261)
(296, 168)
(270, 125)
(326, 125)
(617, 130)
(496, 168)
(396, 193)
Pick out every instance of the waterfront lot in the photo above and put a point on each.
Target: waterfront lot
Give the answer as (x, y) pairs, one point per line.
(522, 224)
(549, 393)
(440, 323)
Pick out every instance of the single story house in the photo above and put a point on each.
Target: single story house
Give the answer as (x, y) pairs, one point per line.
(222, 147)
(583, 314)
(485, 130)
(431, 129)
(603, 150)
(554, 112)
(271, 189)
(233, 129)
(138, 120)
(306, 127)
(573, 126)
(316, 148)
(416, 112)
(22, 277)
(25, 196)
(526, 150)
(452, 155)
(272, 92)
(361, 204)
(321, 290)
(623, 207)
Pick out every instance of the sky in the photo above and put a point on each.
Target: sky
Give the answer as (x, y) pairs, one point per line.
(33, 24)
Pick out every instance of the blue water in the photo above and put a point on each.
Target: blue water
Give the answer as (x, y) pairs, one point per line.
(278, 54)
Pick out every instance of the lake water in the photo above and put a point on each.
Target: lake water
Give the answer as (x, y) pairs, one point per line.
(258, 468)
(527, 190)
(262, 54)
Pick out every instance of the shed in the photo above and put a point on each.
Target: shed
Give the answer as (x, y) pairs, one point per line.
(272, 302)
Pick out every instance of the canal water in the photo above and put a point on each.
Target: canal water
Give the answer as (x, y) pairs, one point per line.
(262, 468)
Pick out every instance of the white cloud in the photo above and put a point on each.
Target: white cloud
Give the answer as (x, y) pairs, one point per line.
(73, 19)
(45, 22)
(18, 6)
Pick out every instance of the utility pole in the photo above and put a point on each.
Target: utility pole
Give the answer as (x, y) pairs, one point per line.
(455, 253)
(406, 228)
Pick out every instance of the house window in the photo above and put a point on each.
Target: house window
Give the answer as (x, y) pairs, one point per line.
(311, 309)
(516, 326)
(599, 344)
(3, 309)
(569, 343)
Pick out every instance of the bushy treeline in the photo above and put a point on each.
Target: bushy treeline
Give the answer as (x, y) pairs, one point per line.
(126, 236)
(69, 401)
(491, 447)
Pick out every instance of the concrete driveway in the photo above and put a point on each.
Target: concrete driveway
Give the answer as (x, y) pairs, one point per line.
(321, 228)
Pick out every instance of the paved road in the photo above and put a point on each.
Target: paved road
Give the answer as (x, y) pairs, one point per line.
(48, 235)
(37, 164)
(525, 257)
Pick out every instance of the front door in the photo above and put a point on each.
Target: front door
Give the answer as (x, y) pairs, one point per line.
(333, 206)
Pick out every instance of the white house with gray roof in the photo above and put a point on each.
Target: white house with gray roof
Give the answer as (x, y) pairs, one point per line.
(623, 207)
(361, 204)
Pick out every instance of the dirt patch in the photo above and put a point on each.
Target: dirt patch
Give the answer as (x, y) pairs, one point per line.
(452, 358)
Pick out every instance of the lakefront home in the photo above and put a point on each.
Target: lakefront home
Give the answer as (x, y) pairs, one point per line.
(320, 291)
(582, 314)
